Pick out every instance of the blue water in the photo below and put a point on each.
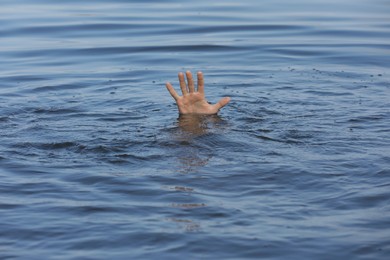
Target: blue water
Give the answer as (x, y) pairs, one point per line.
(96, 164)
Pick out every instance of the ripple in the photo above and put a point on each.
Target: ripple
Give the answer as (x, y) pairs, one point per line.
(243, 28)
(75, 29)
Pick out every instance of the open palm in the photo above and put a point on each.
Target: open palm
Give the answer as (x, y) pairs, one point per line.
(193, 101)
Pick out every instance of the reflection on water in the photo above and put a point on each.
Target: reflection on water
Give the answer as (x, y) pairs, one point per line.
(186, 224)
(195, 150)
(197, 125)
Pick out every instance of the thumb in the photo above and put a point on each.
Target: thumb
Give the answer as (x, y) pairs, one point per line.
(223, 102)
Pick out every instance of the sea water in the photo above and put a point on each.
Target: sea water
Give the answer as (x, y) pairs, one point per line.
(96, 164)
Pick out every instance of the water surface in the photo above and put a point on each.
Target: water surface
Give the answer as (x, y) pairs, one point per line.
(96, 164)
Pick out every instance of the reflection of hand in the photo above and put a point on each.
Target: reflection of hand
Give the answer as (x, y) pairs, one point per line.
(193, 101)
(193, 124)
(197, 125)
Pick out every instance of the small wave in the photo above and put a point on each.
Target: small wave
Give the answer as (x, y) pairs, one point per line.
(242, 28)
(60, 87)
(49, 146)
(123, 50)
(75, 29)
(56, 110)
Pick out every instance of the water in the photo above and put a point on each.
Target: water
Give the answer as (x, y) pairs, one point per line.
(96, 164)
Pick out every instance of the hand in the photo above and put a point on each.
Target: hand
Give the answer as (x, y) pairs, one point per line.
(193, 101)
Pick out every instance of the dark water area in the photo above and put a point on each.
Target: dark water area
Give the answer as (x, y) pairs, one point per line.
(96, 164)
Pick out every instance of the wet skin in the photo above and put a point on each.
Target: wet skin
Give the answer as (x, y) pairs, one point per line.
(193, 101)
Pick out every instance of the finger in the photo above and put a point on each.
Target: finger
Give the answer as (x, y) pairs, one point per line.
(190, 81)
(200, 82)
(183, 85)
(223, 102)
(172, 91)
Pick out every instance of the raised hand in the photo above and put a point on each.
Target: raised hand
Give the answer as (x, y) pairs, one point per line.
(193, 101)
